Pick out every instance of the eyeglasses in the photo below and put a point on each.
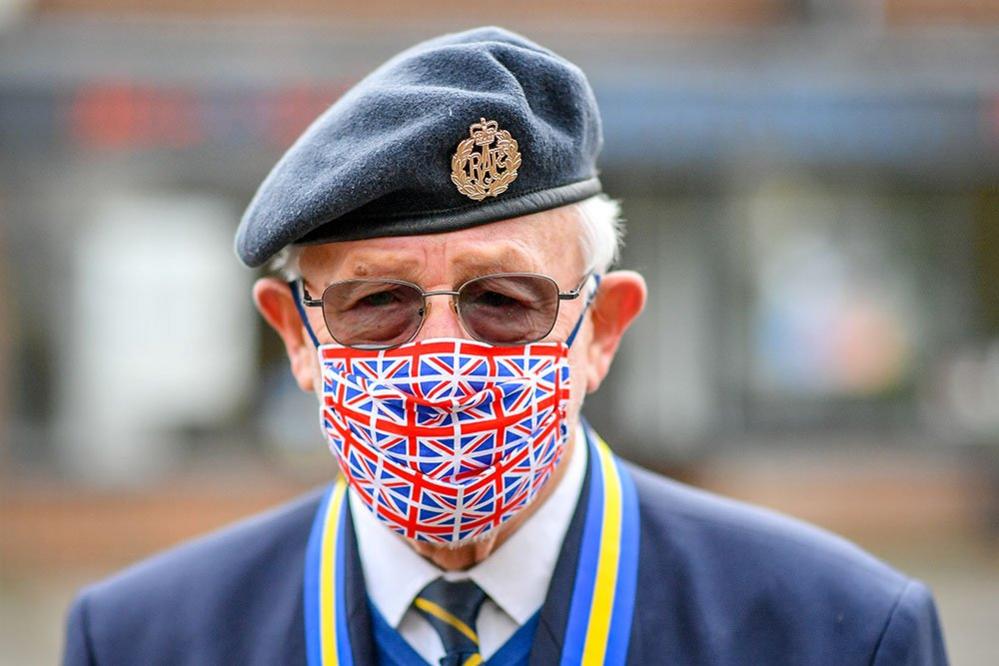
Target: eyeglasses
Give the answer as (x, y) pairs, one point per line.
(502, 309)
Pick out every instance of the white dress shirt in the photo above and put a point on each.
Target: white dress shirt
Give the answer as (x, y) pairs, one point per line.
(515, 576)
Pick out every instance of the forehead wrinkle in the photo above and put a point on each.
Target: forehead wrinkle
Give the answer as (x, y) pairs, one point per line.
(492, 259)
(342, 261)
(380, 264)
(541, 242)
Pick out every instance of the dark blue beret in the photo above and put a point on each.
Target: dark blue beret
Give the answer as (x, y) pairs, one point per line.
(461, 130)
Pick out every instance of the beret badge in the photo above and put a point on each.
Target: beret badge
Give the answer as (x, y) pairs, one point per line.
(486, 162)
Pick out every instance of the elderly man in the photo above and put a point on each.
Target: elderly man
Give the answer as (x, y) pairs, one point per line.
(444, 248)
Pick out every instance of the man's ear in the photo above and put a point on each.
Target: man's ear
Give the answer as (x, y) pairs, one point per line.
(277, 305)
(620, 299)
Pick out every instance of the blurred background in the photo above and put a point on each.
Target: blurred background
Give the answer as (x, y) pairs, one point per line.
(811, 189)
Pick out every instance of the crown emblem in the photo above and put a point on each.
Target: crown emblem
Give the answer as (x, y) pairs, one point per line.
(488, 171)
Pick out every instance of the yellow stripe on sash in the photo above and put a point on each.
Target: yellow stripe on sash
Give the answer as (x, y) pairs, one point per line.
(327, 577)
(602, 605)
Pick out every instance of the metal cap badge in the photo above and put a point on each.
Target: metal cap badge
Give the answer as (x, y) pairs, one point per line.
(488, 171)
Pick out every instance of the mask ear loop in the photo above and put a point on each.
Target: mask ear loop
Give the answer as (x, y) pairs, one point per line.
(586, 306)
(297, 295)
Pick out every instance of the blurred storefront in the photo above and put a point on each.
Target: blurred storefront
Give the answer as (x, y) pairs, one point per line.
(811, 189)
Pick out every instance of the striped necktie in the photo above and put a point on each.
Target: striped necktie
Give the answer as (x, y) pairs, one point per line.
(451, 609)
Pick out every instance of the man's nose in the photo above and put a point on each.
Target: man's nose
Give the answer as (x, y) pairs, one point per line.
(441, 320)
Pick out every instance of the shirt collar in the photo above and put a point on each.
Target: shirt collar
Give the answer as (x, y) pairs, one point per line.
(515, 576)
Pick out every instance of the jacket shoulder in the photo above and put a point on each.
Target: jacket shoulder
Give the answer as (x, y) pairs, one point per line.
(197, 602)
(750, 585)
(711, 522)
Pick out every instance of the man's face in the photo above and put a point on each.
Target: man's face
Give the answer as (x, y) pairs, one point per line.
(546, 243)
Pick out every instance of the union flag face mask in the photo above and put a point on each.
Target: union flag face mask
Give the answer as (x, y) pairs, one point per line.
(444, 440)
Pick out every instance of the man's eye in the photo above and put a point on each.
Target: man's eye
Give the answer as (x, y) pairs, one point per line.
(379, 299)
(494, 299)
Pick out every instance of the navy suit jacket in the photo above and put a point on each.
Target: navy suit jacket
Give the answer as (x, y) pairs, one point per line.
(719, 582)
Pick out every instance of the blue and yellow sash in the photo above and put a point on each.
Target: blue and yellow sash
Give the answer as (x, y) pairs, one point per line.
(603, 596)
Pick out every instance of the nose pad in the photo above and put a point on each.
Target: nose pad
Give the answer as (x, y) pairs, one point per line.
(441, 325)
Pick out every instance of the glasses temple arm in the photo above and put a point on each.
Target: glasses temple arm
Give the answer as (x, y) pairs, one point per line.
(297, 291)
(586, 306)
(570, 295)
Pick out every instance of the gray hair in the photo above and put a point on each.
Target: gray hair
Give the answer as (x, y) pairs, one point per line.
(601, 236)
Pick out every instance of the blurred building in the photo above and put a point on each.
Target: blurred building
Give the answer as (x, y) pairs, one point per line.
(811, 189)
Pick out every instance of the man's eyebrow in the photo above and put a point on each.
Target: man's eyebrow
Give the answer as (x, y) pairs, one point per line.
(382, 265)
(465, 266)
(508, 260)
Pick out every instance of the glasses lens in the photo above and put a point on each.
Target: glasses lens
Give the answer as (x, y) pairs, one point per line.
(509, 309)
(372, 314)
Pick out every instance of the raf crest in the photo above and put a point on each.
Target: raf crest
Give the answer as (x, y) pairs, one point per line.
(486, 163)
